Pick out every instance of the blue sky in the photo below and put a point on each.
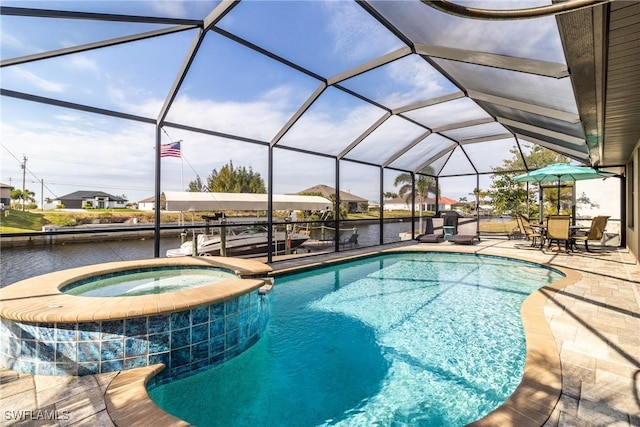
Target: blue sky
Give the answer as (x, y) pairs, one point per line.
(229, 89)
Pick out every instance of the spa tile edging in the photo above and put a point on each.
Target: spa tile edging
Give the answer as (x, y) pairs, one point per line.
(189, 332)
(39, 299)
(186, 341)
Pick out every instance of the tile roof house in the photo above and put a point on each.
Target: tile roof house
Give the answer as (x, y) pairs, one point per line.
(404, 204)
(345, 198)
(91, 199)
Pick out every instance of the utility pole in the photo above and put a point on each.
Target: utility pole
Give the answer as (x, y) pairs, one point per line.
(24, 173)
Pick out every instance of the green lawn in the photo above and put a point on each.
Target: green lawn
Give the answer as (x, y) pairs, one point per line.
(16, 221)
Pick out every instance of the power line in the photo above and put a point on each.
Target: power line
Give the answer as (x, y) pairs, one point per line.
(25, 169)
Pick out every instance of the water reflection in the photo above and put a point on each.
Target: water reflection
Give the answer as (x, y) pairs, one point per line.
(24, 262)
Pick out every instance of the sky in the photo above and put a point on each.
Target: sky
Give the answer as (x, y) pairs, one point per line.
(233, 90)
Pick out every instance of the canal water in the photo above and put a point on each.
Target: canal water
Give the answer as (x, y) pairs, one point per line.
(24, 262)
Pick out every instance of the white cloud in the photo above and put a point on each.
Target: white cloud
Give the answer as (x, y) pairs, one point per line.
(83, 63)
(69, 154)
(353, 32)
(37, 81)
(260, 119)
(417, 80)
(168, 8)
(9, 41)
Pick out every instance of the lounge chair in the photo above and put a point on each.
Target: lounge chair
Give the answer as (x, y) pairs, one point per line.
(558, 230)
(351, 241)
(598, 224)
(430, 236)
(465, 238)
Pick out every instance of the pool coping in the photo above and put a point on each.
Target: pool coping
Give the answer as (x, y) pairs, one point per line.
(40, 300)
(531, 404)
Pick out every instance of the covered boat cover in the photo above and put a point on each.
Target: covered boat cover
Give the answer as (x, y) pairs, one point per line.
(186, 200)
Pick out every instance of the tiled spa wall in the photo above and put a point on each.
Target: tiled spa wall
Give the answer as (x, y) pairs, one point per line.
(185, 341)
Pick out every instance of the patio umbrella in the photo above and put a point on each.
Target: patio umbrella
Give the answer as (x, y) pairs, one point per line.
(562, 172)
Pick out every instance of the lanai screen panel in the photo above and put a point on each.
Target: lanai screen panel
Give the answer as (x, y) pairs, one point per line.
(235, 90)
(477, 131)
(536, 39)
(488, 155)
(325, 38)
(97, 77)
(570, 125)
(435, 165)
(74, 32)
(532, 89)
(400, 83)
(292, 173)
(260, 67)
(448, 113)
(423, 152)
(389, 138)
(457, 164)
(331, 123)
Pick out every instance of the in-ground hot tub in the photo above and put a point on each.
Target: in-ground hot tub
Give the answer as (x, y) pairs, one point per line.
(45, 331)
(149, 280)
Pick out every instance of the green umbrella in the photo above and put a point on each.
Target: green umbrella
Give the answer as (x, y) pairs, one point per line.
(562, 172)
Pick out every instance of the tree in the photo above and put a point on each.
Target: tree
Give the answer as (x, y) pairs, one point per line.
(231, 180)
(235, 180)
(585, 201)
(24, 198)
(197, 186)
(509, 196)
(423, 184)
(389, 195)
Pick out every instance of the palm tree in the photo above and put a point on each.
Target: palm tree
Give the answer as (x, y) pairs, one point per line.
(424, 186)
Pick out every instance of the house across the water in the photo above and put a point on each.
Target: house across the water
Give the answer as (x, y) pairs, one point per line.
(91, 200)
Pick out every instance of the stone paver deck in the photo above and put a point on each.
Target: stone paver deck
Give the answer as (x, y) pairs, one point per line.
(595, 324)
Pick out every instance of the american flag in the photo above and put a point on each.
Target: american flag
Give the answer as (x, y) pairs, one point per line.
(170, 150)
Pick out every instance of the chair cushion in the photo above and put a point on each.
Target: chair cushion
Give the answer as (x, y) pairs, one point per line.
(464, 239)
(430, 238)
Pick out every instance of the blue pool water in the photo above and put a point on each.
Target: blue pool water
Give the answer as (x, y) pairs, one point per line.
(402, 339)
(147, 281)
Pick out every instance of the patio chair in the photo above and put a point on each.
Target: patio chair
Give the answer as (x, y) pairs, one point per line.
(528, 230)
(466, 233)
(558, 230)
(430, 236)
(351, 241)
(596, 231)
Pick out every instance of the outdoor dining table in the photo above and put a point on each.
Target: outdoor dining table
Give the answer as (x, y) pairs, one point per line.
(573, 229)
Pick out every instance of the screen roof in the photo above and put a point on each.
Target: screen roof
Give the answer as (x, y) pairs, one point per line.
(397, 84)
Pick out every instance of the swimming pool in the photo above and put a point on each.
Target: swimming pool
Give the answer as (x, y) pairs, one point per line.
(400, 339)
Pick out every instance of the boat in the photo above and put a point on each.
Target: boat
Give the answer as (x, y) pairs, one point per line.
(252, 240)
(322, 237)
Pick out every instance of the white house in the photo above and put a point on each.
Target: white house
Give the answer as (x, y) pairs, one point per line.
(147, 204)
(402, 204)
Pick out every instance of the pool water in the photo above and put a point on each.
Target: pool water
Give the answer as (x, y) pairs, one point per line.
(403, 339)
(147, 281)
